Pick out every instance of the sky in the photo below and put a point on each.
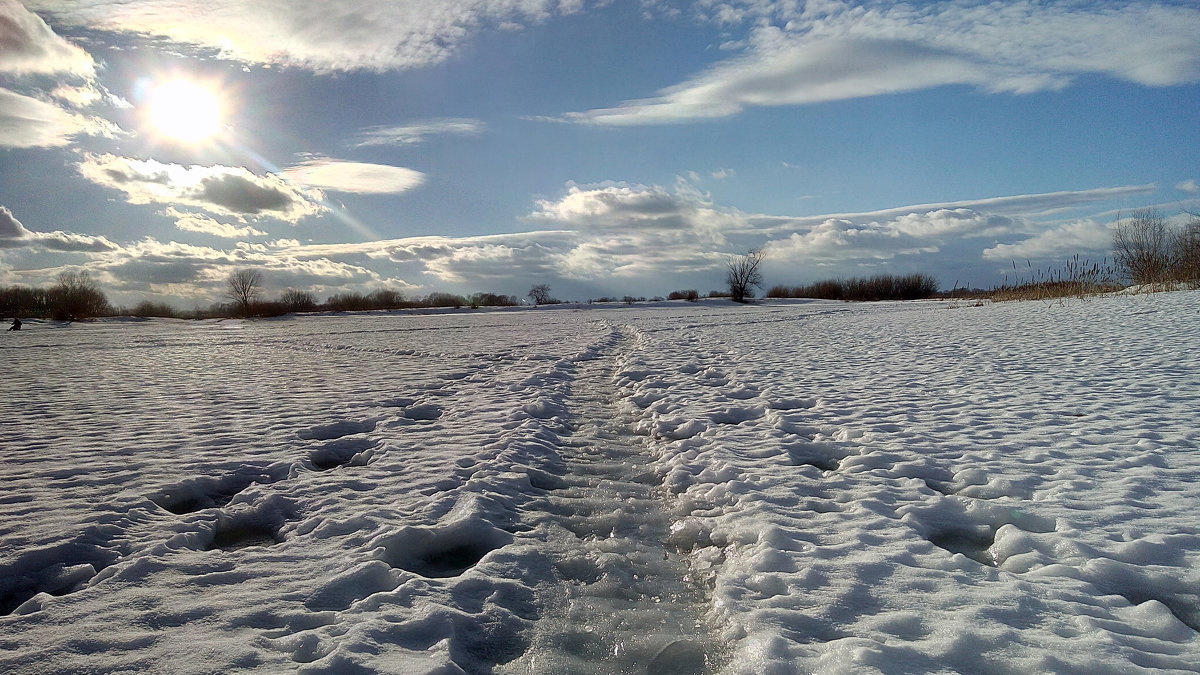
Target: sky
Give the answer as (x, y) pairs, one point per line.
(605, 148)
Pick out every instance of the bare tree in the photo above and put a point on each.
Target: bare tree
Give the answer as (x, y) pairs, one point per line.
(244, 288)
(1141, 247)
(742, 274)
(1187, 250)
(540, 294)
(77, 296)
(298, 301)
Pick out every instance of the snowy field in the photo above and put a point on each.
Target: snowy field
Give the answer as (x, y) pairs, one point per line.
(783, 488)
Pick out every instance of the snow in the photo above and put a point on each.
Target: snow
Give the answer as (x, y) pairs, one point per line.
(781, 488)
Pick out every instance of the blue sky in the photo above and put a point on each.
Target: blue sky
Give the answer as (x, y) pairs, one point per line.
(604, 148)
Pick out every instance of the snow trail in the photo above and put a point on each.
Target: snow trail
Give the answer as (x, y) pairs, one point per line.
(626, 603)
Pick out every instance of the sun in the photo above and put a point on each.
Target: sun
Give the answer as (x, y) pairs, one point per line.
(185, 111)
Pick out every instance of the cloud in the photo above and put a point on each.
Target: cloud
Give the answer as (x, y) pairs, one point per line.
(198, 222)
(230, 191)
(962, 222)
(14, 235)
(357, 177)
(28, 46)
(26, 122)
(839, 240)
(412, 134)
(78, 243)
(313, 34)
(847, 52)
(621, 208)
(1068, 239)
(12, 232)
(1189, 185)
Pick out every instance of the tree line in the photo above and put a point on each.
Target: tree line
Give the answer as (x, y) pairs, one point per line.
(74, 295)
(1147, 250)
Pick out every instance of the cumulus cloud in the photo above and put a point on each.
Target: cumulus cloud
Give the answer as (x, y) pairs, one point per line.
(1190, 185)
(357, 177)
(841, 52)
(14, 235)
(198, 222)
(12, 232)
(225, 190)
(29, 46)
(314, 34)
(616, 208)
(839, 240)
(411, 134)
(1075, 237)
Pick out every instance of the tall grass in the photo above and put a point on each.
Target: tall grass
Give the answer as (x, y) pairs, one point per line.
(1077, 278)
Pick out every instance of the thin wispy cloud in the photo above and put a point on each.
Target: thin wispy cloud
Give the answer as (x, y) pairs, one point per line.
(855, 52)
(28, 122)
(411, 134)
(312, 34)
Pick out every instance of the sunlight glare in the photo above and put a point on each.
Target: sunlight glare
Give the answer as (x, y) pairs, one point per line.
(185, 110)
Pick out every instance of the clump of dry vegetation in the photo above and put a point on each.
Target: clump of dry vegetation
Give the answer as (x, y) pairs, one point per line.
(1075, 279)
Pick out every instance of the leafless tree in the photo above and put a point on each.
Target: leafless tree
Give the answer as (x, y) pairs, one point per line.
(540, 294)
(1141, 247)
(77, 296)
(244, 288)
(742, 274)
(298, 301)
(1187, 250)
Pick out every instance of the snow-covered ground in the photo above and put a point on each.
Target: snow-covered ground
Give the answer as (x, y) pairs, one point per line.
(787, 487)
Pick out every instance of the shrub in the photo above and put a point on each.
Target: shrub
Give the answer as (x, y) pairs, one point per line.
(444, 300)
(691, 295)
(863, 289)
(348, 302)
(146, 308)
(298, 301)
(1186, 244)
(493, 300)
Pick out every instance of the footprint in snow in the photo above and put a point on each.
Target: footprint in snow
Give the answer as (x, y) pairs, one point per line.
(328, 432)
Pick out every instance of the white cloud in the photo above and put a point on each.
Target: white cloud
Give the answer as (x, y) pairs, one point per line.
(313, 34)
(26, 122)
(28, 46)
(198, 222)
(1081, 236)
(839, 240)
(411, 134)
(848, 52)
(12, 232)
(357, 177)
(231, 191)
(73, 242)
(1189, 185)
(618, 208)
(14, 235)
